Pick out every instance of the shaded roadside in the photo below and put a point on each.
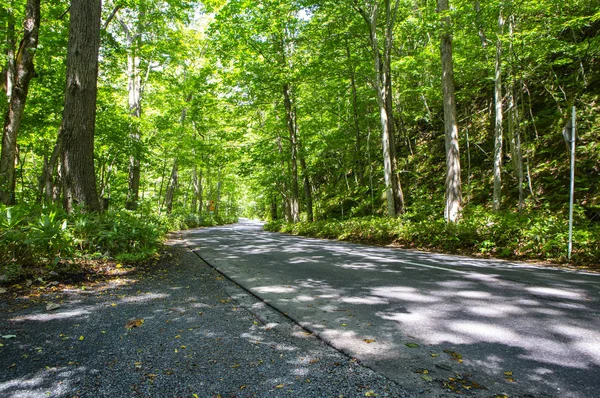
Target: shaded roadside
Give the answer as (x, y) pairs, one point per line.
(172, 330)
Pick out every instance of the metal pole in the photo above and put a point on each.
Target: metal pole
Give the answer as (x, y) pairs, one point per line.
(572, 185)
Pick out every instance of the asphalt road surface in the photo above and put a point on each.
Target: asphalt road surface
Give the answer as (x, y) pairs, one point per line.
(438, 325)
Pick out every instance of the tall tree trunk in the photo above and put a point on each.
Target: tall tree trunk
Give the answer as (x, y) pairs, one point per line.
(382, 85)
(453, 206)
(11, 67)
(307, 190)
(497, 195)
(274, 215)
(135, 110)
(292, 127)
(197, 185)
(284, 185)
(46, 179)
(358, 153)
(23, 73)
(79, 115)
(514, 135)
(173, 183)
(218, 197)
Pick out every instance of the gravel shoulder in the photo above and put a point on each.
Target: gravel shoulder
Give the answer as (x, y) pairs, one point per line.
(176, 329)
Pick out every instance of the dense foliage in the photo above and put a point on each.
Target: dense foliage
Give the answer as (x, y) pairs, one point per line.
(267, 109)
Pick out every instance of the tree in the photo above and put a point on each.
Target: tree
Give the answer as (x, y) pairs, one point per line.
(497, 196)
(19, 86)
(383, 88)
(453, 185)
(79, 115)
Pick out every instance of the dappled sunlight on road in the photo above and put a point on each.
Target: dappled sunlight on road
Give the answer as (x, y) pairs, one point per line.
(85, 346)
(543, 324)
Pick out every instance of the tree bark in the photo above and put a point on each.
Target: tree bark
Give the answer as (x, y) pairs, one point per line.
(358, 154)
(11, 68)
(497, 195)
(292, 127)
(514, 135)
(284, 186)
(307, 191)
(453, 206)
(197, 185)
(383, 85)
(19, 87)
(173, 183)
(79, 115)
(135, 110)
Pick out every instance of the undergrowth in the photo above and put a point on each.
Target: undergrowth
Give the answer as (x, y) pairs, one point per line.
(47, 237)
(537, 235)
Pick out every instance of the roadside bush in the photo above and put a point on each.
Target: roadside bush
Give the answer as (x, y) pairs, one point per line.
(44, 236)
(541, 235)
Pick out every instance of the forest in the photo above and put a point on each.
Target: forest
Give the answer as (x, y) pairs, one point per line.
(436, 125)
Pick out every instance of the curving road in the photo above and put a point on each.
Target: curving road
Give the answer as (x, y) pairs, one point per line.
(438, 325)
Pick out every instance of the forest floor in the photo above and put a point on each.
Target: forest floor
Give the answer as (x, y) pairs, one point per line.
(169, 328)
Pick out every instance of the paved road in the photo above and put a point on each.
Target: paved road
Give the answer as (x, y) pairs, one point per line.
(195, 341)
(436, 324)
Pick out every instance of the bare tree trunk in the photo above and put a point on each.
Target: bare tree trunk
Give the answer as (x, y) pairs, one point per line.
(358, 154)
(284, 187)
(514, 130)
(274, 215)
(307, 191)
(24, 72)
(173, 183)
(135, 110)
(197, 185)
(218, 198)
(11, 67)
(382, 85)
(292, 127)
(453, 206)
(46, 179)
(79, 116)
(497, 196)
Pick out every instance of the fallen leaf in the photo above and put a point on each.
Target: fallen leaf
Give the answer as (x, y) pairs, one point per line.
(370, 393)
(237, 365)
(455, 355)
(412, 345)
(52, 306)
(136, 323)
(81, 338)
(427, 378)
(508, 374)
(225, 301)
(434, 355)
(280, 386)
(9, 336)
(2, 290)
(242, 387)
(368, 341)
(195, 395)
(343, 324)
